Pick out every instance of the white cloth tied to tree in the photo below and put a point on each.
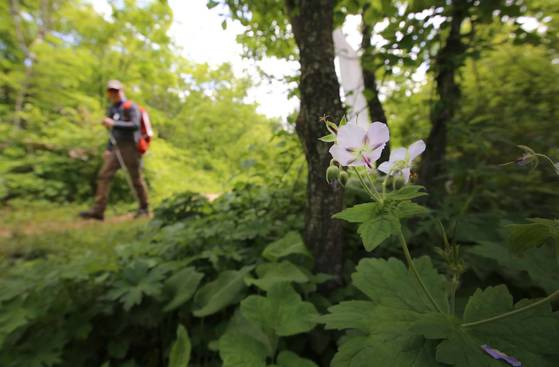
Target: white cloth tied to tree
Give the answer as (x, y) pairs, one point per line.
(351, 76)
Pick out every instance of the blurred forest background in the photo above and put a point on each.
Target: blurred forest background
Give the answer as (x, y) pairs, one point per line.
(474, 79)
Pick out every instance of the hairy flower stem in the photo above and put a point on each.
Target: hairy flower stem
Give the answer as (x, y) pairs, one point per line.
(365, 186)
(514, 312)
(411, 265)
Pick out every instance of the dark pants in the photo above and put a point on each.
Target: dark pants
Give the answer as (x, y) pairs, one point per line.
(133, 161)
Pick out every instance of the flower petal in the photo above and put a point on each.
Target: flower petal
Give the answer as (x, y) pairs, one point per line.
(398, 154)
(374, 155)
(378, 134)
(416, 149)
(341, 155)
(351, 136)
(385, 167)
(406, 173)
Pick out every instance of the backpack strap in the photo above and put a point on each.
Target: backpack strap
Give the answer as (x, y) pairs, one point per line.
(127, 104)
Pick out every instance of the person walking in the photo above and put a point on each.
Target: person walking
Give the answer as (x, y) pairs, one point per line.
(123, 122)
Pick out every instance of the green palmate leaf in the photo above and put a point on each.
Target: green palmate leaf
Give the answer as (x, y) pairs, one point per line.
(530, 337)
(536, 267)
(180, 351)
(391, 282)
(385, 350)
(281, 311)
(406, 192)
(375, 231)
(290, 244)
(407, 209)
(382, 324)
(227, 289)
(290, 359)
(359, 213)
(245, 344)
(534, 234)
(182, 286)
(137, 281)
(273, 273)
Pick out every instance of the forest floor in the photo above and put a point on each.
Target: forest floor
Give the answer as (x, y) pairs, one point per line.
(33, 230)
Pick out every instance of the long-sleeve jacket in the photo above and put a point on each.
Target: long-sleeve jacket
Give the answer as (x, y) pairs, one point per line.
(126, 122)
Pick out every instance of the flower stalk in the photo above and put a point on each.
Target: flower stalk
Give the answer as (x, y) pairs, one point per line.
(411, 265)
(513, 312)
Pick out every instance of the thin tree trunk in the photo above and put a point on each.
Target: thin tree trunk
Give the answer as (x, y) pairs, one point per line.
(376, 111)
(447, 62)
(28, 54)
(312, 23)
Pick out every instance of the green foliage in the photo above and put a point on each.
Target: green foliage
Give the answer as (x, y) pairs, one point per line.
(380, 220)
(225, 290)
(534, 234)
(398, 324)
(180, 351)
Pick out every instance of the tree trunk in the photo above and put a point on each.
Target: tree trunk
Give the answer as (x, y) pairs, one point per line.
(376, 111)
(447, 62)
(26, 49)
(312, 23)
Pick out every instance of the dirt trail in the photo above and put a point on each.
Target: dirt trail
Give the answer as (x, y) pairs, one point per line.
(65, 224)
(51, 226)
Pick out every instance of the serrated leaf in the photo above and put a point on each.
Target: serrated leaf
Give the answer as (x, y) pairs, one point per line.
(180, 351)
(182, 286)
(535, 234)
(530, 337)
(390, 281)
(244, 344)
(392, 350)
(407, 192)
(227, 289)
(536, 267)
(384, 321)
(290, 244)
(273, 273)
(282, 311)
(408, 209)
(375, 231)
(359, 213)
(290, 359)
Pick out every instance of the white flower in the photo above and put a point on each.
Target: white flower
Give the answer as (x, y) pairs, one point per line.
(356, 146)
(401, 160)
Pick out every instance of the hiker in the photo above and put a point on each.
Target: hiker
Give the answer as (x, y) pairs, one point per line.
(123, 122)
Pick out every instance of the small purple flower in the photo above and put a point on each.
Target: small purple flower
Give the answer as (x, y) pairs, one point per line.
(497, 354)
(401, 160)
(356, 146)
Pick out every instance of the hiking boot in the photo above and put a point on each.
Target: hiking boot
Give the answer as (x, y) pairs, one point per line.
(142, 212)
(90, 214)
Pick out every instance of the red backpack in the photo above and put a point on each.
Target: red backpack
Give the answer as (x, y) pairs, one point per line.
(146, 132)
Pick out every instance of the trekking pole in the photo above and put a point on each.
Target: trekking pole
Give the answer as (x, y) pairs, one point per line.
(122, 165)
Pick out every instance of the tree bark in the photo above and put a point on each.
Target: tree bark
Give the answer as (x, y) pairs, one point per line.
(28, 54)
(312, 24)
(376, 111)
(448, 60)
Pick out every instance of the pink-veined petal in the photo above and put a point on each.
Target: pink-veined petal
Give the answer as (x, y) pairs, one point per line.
(398, 154)
(374, 155)
(341, 155)
(385, 167)
(416, 149)
(351, 136)
(406, 173)
(378, 134)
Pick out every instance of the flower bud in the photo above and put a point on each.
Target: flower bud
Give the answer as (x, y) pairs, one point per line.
(343, 178)
(332, 174)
